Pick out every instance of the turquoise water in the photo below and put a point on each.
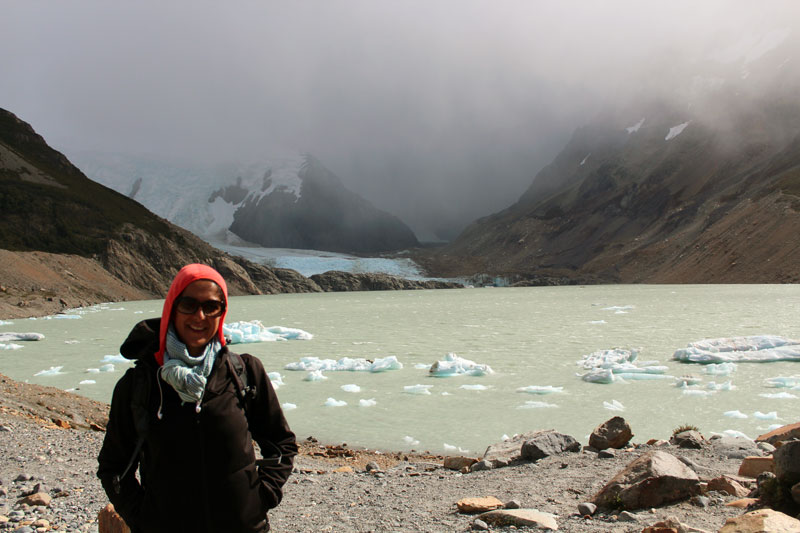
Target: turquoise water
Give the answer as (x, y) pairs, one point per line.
(529, 336)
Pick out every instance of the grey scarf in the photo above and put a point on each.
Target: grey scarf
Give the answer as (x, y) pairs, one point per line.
(188, 375)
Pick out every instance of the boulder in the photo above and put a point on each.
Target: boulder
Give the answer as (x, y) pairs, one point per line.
(735, 447)
(613, 433)
(458, 462)
(672, 525)
(688, 439)
(478, 505)
(39, 498)
(742, 503)
(654, 479)
(788, 432)
(786, 462)
(795, 492)
(509, 451)
(760, 521)
(520, 518)
(546, 444)
(108, 521)
(753, 466)
(729, 486)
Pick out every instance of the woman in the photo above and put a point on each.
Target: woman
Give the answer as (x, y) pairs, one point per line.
(187, 415)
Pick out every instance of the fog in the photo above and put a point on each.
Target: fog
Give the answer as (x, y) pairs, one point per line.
(437, 111)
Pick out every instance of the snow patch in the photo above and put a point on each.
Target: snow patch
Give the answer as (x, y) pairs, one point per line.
(635, 127)
(675, 131)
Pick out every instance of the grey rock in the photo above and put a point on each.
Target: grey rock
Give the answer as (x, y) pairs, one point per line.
(546, 444)
(481, 465)
(509, 451)
(691, 464)
(701, 501)
(613, 433)
(786, 460)
(765, 447)
(796, 492)
(480, 525)
(372, 466)
(688, 439)
(734, 447)
(512, 504)
(5, 429)
(520, 518)
(23, 477)
(606, 454)
(627, 516)
(587, 508)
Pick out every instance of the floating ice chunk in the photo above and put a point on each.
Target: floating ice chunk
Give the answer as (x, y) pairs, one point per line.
(367, 403)
(597, 322)
(288, 406)
(720, 369)
(107, 368)
(453, 365)
(52, 371)
(675, 131)
(445, 393)
(351, 387)
(8, 336)
(734, 414)
(10, 346)
(410, 440)
(735, 434)
(72, 341)
(782, 382)
(6, 323)
(533, 404)
(753, 349)
(772, 415)
(504, 437)
(115, 359)
(449, 448)
(346, 364)
(773, 427)
(599, 375)
(608, 358)
(685, 381)
(58, 317)
(331, 402)
(315, 375)
(422, 366)
(255, 331)
(87, 382)
(635, 127)
(614, 405)
(418, 389)
(474, 387)
(726, 386)
(540, 389)
(779, 396)
(275, 379)
(697, 392)
(619, 308)
(640, 376)
(92, 370)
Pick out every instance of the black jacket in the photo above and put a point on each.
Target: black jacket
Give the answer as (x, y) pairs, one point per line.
(197, 469)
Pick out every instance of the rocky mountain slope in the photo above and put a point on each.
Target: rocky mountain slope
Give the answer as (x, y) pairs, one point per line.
(280, 202)
(700, 188)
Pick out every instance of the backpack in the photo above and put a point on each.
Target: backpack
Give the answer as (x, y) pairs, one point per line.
(143, 385)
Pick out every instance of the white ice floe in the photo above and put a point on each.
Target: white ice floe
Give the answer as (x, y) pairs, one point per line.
(619, 308)
(474, 387)
(733, 433)
(773, 427)
(734, 414)
(331, 402)
(10, 346)
(783, 382)
(779, 396)
(315, 375)
(533, 404)
(687, 381)
(105, 368)
(418, 389)
(276, 379)
(449, 448)
(608, 366)
(367, 403)
(422, 366)
(52, 371)
(726, 386)
(772, 415)
(720, 369)
(288, 406)
(72, 341)
(597, 322)
(540, 389)
(6, 323)
(675, 131)
(697, 392)
(453, 365)
(57, 317)
(614, 405)
(410, 440)
(87, 382)
(351, 387)
(255, 331)
(346, 364)
(753, 349)
(8, 336)
(115, 359)
(635, 127)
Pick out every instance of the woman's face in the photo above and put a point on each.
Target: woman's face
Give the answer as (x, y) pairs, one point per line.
(196, 329)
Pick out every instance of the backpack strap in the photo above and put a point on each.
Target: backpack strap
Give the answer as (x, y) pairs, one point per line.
(141, 394)
(245, 392)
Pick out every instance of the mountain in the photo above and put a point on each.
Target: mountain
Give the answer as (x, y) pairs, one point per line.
(282, 202)
(700, 186)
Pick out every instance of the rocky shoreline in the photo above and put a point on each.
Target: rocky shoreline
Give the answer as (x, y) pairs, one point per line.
(50, 440)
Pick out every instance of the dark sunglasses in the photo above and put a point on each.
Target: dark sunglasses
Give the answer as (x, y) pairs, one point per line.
(189, 306)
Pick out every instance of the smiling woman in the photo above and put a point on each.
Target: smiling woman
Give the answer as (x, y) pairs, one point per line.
(198, 314)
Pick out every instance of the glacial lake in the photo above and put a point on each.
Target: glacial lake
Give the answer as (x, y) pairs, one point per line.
(528, 336)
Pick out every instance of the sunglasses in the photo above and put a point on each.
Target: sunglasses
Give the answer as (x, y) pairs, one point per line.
(189, 306)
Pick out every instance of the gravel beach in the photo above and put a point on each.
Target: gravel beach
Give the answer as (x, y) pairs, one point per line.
(331, 489)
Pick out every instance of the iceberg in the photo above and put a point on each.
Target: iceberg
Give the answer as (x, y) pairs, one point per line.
(315, 375)
(52, 371)
(115, 359)
(606, 366)
(453, 365)
(734, 414)
(6, 323)
(410, 440)
(58, 317)
(288, 406)
(783, 382)
(752, 349)
(276, 379)
(540, 389)
(720, 369)
(10, 346)
(254, 331)
(422, 366)
(346, 363)
(697, 392)
(779, 396)
(87, 382)
(687, 381)
(532, 404)
(614, 405)
(8, 336)
(727, 386)
(474, 387)
(418, 389)
(331, 402)
(367, 403)
(351, 387)
(772, 415)
(449, 448)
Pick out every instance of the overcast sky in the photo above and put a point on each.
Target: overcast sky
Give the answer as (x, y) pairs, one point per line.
(429, 107)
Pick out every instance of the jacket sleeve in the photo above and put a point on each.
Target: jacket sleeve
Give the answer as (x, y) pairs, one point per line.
(270, 430)
(117, 451)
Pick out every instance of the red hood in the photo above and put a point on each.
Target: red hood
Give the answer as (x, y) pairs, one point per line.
(187, 275)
